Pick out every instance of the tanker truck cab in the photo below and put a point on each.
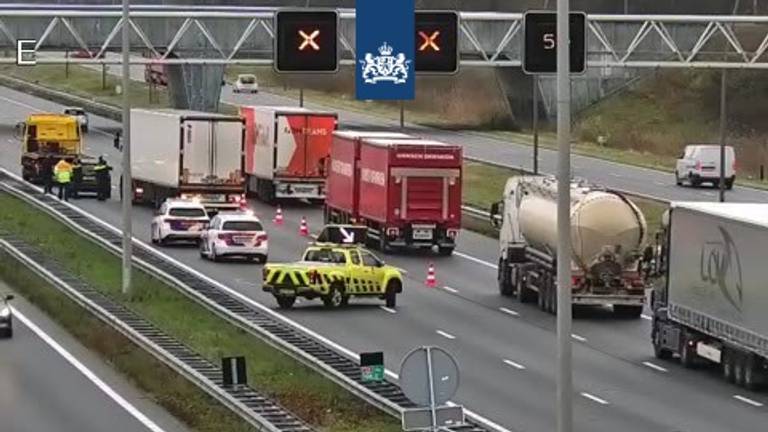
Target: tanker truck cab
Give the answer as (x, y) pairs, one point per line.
(608, 234)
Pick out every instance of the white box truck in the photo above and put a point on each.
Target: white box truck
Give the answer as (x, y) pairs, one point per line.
(713, 304)
(188, 154)
(287, 151)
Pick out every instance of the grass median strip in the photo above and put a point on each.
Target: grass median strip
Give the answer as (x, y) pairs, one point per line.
(312, 397)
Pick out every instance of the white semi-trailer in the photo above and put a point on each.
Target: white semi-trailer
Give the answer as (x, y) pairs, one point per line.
(188, 154)
(608, 233)
(713, 304)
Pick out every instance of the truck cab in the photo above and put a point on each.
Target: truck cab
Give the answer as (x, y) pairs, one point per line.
(46, 136)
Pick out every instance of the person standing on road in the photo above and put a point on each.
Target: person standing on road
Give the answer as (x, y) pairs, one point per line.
(63, 173)
(77, 178)
(46, 172)
(103, 179)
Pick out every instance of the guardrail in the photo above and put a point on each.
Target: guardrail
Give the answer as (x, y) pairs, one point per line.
(247, 403)
(335, 362)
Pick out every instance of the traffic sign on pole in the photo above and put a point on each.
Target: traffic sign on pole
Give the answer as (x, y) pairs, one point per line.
(437, 42)
(540, 48)
(429, 376)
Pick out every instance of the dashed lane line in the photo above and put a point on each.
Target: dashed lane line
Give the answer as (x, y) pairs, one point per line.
(748, 401)
(451, 290)
(509, 311)
(515, 365)
(386, 309)
(594, 398)
(445, 335)
(655, 366)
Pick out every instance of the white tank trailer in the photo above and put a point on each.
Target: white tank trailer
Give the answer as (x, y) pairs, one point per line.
(608, 235)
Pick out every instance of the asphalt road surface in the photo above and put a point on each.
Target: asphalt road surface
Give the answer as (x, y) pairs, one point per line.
(506, 351)
(42, 391)
(654, 183)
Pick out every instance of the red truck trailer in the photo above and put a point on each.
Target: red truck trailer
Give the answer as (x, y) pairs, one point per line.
(406, 191)
(286, 151)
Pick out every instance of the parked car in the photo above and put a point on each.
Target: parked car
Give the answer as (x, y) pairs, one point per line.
(238, 234)
(82, 116)
(246, 83)
(700, 163)
(178, 220)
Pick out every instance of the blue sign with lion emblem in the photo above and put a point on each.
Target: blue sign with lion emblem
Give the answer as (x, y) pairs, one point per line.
(385, 49)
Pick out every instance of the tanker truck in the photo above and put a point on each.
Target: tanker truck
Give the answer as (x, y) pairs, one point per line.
(608, 233)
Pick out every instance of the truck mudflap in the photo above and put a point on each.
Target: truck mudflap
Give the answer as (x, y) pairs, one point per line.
(603, 299)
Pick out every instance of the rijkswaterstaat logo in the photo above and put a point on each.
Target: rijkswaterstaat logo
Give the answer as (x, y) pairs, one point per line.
(385, 67)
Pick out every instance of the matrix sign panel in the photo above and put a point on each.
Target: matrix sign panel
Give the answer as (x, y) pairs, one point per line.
(540, 50)
(306, 41)
(437, 35)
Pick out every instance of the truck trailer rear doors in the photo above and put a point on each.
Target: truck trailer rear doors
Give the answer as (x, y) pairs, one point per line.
(302, 145)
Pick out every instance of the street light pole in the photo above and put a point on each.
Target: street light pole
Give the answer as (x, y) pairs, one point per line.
(536, 124)
(723, 122)
(127, 186)
(564, 354)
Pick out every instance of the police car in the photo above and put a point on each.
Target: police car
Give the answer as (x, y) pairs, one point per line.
(6, 318)
(179, 220)
(235, 235)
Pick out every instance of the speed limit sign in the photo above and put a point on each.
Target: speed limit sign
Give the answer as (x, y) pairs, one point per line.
(540, 48)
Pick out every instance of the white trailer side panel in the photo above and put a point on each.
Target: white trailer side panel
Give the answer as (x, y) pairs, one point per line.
(155, 144)
(198, 151)
(264, 150)
(228, 151)
(718, 273)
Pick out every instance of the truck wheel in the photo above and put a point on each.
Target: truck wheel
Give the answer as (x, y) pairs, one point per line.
(391, 295)
(335, 297)
(524, 294)
(739, 368)
(687, 353)
(729, 373)
(627, 311)
(753, 375)
(445, 251)
(661, 353)
(505, 285)
(285, 302)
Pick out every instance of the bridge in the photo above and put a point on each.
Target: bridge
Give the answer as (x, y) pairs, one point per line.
(202, 39)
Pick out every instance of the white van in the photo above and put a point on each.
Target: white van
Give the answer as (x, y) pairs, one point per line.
(700, 163)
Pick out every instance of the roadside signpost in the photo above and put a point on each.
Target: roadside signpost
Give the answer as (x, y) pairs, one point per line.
(372, 367)
(429, 377)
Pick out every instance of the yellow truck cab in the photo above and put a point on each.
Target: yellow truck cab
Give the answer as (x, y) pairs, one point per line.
(333, 273)
(56, 136)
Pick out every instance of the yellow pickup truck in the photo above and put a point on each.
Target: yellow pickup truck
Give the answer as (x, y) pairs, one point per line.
(333, 273)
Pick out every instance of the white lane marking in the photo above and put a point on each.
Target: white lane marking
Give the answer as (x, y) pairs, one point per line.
(515, 365)
(475, 260)
(138, 415)
(386, 309)
(655, 366)
(646, 317)
(484, 421)
(578, 338)
(451, 290)
(594, 398)
(747, 400)
(658, 183)
(509, 311)
(615, 174)
(38, 109)
(445, 335)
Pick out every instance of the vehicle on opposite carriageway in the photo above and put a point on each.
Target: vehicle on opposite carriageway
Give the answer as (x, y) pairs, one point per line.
(333, 273)
(235, 234)
(6, 317)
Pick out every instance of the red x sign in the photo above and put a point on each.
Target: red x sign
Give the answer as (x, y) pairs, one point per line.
(429, 41)
(309, 40)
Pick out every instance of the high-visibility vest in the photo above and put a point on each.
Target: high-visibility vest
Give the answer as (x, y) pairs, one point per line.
(63, 176)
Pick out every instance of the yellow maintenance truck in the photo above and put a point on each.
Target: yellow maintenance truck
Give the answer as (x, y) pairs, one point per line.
(47, 138)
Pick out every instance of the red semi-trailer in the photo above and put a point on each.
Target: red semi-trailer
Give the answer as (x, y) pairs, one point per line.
(286, 151)
(406, 191)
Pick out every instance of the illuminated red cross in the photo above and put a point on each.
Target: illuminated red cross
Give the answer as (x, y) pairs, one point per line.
(309, 40)
(429, 41)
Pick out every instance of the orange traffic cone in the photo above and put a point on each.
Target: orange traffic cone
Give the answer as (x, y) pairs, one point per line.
(303, 229)
(278, 220)
(431, 280)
